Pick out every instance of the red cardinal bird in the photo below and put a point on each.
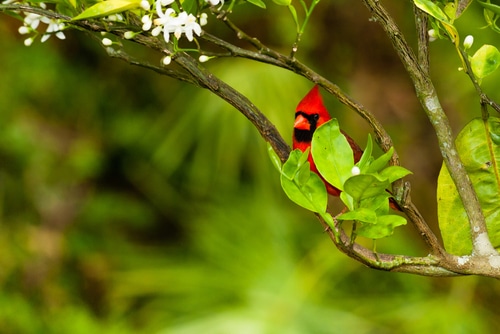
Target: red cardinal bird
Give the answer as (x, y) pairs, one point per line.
(309, 115)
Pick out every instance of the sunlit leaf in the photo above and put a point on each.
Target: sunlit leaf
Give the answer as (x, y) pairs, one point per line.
(383, 228)
(361, 214)
(366, 157)
(302, 186)
(364, 186)
(432, 9)
(106, 8)
(274, 157)
(291, 166)
(393, 173)
(481, 156)
(311, 196)
(332, 154)
(485, 61)
(381, 161)
(282, 2)
(258, 3)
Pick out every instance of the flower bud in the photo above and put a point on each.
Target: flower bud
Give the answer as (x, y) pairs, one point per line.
(166, 60)
(468, 41)
(107, 41)
(432, 35)
(355, 170)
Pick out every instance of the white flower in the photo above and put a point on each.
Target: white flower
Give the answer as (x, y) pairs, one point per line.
(32, 22)
(355, 170)
(190, 25)
(168, 22)
(468, 41)
(54, 27)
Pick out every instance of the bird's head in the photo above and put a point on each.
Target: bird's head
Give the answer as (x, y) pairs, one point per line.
(309, 115)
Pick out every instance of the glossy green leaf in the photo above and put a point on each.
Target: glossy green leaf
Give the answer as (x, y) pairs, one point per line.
(258, 3)
(384, 227)
(293, 12)
(275, 159)
(190, 6)
(485, 61)
(282, 2)
(393, 173)
(432, 9)
(364, 186)
(379, 203)
(366, 157)
(490, 6)
(106, 8)
(435, 11)
(480, 154)
(450, 9)
(291, 166)
(381, 161)
(361, 214)
(332, 154)
(302, 186)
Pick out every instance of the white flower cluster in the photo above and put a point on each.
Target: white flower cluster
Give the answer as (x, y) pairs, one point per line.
(169, 21)
(31, 23)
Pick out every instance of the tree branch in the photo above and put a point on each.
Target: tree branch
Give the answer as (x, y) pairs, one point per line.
(427, 95)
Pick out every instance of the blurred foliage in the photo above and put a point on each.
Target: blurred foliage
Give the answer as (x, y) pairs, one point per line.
(132, 203)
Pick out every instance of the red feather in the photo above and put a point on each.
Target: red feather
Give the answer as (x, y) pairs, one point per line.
(309, 111)
(310, 114)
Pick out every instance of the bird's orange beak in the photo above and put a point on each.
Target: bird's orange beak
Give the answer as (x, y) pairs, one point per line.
(301, 123)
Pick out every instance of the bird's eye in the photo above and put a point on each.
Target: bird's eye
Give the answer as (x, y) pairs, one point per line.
(316, 117)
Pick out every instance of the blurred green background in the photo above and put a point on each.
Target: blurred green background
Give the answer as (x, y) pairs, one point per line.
(131, 203)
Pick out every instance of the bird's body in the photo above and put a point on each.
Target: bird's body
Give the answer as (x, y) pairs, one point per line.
(310, 114)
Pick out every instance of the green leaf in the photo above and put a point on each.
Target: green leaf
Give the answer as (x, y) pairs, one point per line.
(379, 203)
(383, 228)
(450, 9)
(293, 11)
(492, 7)
(332, 154)
(366, 157)
(275, 159)
(361, 214)
(311, 196)
(480, 154)
(364, 186)
(258, 3)
(292, 165)
(393, 173)
(432, 9)
(106, 8)
(302, 186)
(190, 6)
(485, 61)
(381, 161)
(282, 2)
